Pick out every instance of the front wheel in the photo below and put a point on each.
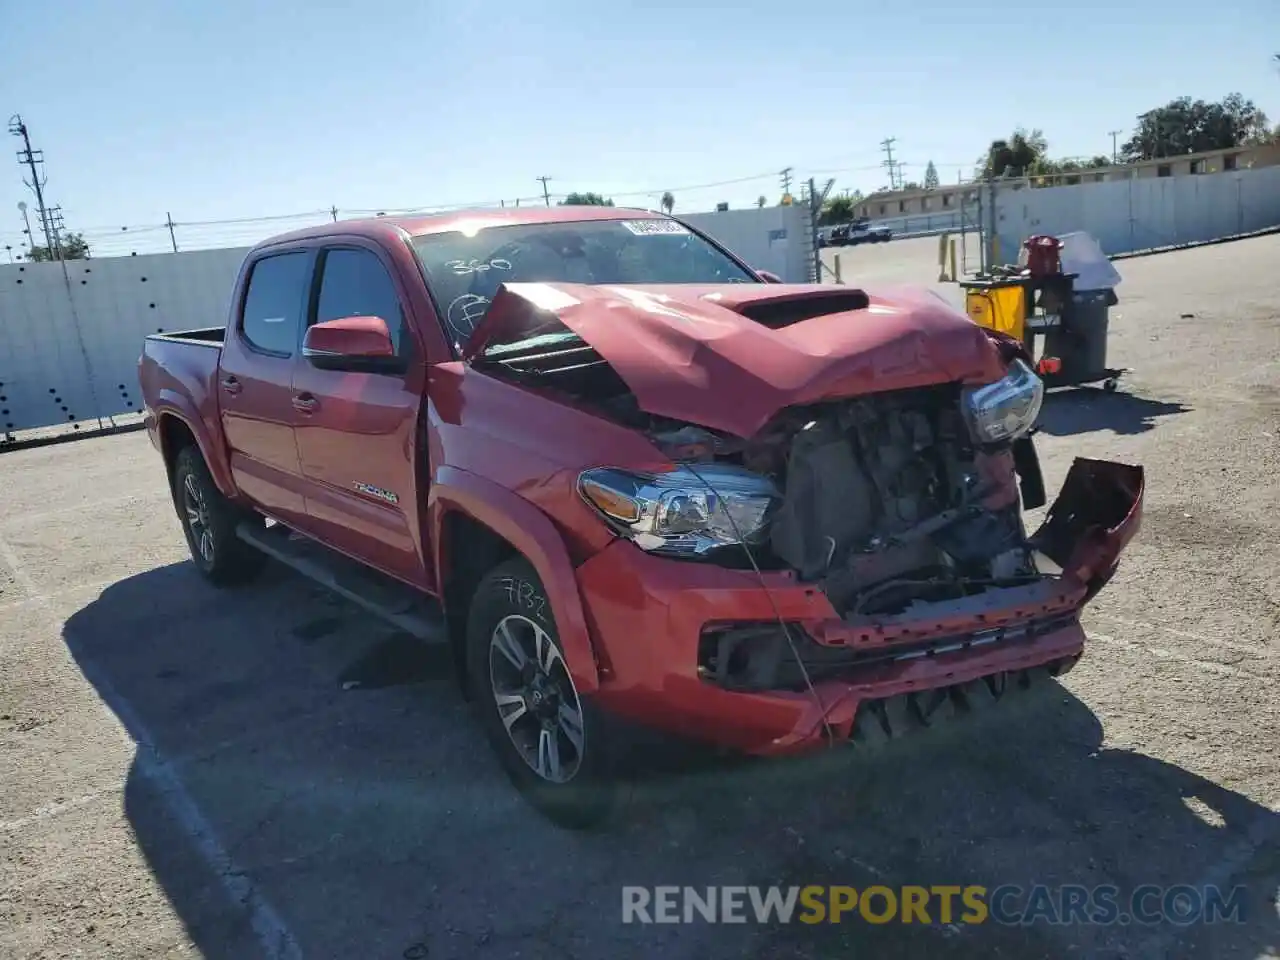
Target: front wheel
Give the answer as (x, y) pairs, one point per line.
(550, 741)
(209, 521)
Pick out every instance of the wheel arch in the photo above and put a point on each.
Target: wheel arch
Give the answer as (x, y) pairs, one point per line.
(475, 525)
(176, 434)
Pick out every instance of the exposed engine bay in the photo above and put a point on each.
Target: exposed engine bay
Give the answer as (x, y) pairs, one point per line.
(885, 500)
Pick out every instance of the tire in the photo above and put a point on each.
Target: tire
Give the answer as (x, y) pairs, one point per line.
(550, 741)
(209, 522)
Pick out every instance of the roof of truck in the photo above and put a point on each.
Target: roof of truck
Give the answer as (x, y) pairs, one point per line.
(420, 224)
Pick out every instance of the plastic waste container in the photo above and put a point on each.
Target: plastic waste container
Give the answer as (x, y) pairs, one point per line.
(1080, 343)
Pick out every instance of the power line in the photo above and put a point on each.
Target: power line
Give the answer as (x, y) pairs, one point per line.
(195, 233)
(545, 195)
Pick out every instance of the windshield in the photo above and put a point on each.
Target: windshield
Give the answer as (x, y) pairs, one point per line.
(466, 271)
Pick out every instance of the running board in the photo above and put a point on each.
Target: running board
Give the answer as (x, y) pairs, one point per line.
(387, 598)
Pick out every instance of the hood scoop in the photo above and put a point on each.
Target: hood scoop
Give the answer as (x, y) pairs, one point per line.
(785, 311)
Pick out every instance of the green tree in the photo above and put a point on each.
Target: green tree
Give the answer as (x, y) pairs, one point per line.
(668, 201)
(931, 177)
(841, 208)
(71, 246)
(836, 210)
(1021, 155)
(585, 200)
(1184, 126)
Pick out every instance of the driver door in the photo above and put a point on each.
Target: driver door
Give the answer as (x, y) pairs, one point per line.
(357, 433)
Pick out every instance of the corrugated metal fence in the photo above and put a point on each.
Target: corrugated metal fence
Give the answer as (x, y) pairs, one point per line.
(1143, 213)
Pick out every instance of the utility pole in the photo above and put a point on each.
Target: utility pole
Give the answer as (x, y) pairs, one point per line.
(168, 222)
(53, 226)
(333, 212)
(545, 194)
(33, 159)
(894, 172)
(785, 176)
(1115, 154)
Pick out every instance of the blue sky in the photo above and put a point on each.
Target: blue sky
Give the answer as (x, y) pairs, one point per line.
(249, 108)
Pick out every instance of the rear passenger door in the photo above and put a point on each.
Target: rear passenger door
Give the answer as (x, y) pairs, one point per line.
(255, 374)
(357, 439)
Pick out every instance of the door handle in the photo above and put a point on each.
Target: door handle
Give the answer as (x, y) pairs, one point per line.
(305, 403)
(231, 384)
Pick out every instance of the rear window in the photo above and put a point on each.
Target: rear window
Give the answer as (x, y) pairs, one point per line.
(274, 303)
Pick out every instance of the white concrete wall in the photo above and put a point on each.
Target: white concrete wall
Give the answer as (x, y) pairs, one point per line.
(777, 239)
(69, 344)
(1143, 213)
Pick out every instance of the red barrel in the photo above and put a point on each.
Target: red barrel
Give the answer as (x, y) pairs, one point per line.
(1044, 256)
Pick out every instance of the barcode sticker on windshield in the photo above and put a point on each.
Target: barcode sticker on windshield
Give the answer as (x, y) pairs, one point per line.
(649, 228)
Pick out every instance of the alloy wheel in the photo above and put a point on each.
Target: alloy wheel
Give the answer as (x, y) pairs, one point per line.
(197, 509)
(536, 699)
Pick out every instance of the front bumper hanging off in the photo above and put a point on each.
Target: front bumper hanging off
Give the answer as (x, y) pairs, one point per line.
(650, 617)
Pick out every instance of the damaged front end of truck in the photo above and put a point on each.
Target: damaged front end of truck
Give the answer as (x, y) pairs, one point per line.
(865, 459)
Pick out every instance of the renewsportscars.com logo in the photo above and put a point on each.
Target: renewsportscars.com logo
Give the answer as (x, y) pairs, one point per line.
(945, 904)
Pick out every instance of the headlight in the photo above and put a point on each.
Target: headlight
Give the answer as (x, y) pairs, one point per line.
(1005, 409)
(677, 512)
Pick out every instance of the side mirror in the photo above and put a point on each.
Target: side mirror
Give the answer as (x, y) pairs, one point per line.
(355, 344)
(768, 276)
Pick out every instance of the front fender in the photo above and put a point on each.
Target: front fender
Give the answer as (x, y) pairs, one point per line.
(530, 531)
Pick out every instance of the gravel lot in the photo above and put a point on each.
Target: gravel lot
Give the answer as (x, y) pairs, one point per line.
(268, 773)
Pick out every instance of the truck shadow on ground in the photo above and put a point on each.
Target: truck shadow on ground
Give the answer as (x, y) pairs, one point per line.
(307, 784)
(1088, 409)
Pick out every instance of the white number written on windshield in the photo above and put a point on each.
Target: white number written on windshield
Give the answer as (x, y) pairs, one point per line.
(465, 267)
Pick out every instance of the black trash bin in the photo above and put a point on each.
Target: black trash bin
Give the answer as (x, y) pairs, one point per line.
(1080, 342)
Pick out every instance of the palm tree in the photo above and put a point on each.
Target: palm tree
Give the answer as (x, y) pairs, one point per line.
(668, 202)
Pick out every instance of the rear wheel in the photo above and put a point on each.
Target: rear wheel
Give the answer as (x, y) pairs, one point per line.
(550, 741)
(209, 521)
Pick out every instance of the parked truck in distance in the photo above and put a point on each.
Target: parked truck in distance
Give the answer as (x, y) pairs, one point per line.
(634, 483)
(857, 232)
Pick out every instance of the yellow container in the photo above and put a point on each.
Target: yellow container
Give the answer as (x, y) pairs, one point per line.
(1003, 309)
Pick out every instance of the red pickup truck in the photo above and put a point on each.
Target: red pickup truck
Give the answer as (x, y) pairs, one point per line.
(635, 483)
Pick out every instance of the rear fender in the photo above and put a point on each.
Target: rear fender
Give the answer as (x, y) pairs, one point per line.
(172, 404)
(529, 530)
(1096, 514)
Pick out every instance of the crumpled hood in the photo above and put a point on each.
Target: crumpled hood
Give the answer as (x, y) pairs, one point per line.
(694, 353)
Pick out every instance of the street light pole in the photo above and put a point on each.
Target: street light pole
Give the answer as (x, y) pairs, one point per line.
(22, 207)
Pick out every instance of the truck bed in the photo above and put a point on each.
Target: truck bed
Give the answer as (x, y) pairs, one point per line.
(180, 371)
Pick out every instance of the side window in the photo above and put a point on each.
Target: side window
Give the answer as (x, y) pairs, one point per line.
(356, 284)
(274, 302)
